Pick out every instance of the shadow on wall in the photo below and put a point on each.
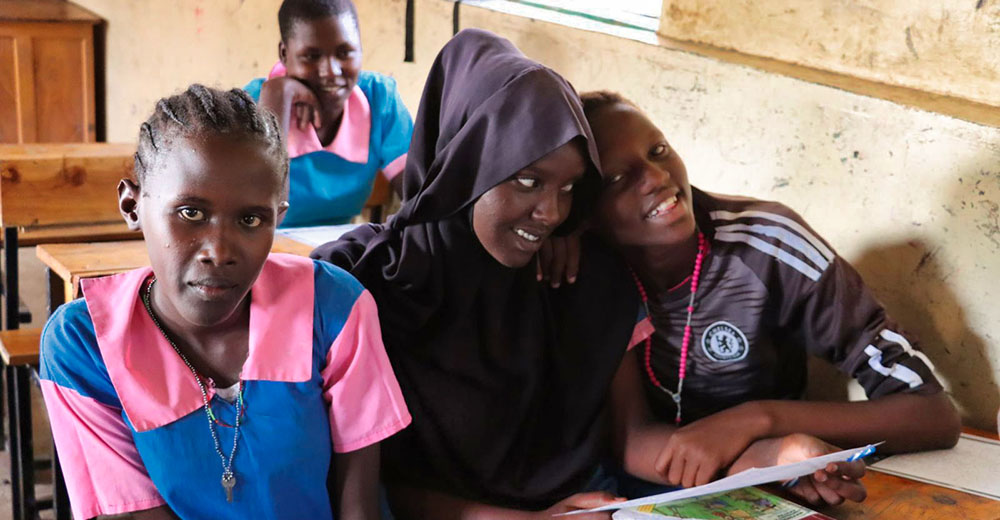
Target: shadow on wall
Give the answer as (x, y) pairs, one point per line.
(910, 283)
(912, 286)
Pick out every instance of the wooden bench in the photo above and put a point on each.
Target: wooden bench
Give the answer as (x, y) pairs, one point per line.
(20, 347)
(58, 193)
(49, 193)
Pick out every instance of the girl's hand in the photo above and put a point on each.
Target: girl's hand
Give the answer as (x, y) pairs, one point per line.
(292, 101)
(559, 259)
(831, 485)
(696, 453)
(581, 501)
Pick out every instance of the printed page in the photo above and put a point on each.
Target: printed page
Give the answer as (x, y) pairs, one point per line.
(739, 503)
(971, 466)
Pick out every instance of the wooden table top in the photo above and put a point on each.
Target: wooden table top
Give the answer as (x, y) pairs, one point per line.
(75, 261)
(892, 497)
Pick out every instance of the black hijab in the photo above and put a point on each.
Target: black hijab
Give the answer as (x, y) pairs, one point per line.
(506, 379)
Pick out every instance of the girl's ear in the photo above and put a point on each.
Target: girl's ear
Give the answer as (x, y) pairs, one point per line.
(128, 203)
(282, 52)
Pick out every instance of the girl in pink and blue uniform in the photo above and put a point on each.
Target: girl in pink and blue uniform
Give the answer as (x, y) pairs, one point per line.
(344, 125)
(223, 381)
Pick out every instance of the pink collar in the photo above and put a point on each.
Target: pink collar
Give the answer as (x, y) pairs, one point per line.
(154, 386)
(351, 141)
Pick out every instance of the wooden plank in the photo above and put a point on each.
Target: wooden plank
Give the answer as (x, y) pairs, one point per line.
(67, 234)
(8, 91)
(93, 259)
(61, 86)
(45, 11)
(20, 347)
(73, 262)
(25, 85)
(44, 186)
(31, 150)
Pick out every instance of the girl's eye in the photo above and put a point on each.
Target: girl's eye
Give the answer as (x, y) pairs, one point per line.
(615, 178)
(192, 214)
(567, 188)
(252, 221)
(527, 182)
(658, 150)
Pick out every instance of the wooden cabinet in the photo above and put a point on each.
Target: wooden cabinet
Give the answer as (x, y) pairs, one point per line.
(46, 72)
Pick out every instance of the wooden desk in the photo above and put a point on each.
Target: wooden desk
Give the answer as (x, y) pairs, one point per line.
(891, 498)
(70, 263)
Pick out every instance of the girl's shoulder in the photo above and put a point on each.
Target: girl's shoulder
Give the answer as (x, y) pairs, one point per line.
(378, 88)
(338, 295)
(69, 355)
(767, 236)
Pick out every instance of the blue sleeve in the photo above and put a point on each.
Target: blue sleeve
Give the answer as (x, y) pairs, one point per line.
(336, 292)
(397, 125)
(253, 88)
(69, 355)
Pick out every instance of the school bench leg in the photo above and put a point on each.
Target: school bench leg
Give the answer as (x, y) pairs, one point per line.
(24, 463)
(15, 480)
(57, 293)
(60, 497)
(10, 294)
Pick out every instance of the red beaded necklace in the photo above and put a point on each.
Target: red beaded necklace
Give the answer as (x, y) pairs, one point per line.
(682, 369)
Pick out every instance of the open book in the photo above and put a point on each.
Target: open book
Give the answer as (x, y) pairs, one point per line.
(738, 504)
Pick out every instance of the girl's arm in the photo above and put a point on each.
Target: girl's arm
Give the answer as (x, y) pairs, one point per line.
(696, 454)
(637, 436)
(906, 422)
(416, 503)
(356, 490)
(292, 102)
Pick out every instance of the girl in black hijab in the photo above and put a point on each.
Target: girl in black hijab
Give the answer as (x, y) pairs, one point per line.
(506, 379)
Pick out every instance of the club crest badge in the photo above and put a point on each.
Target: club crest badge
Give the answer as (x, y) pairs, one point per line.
(724, 342)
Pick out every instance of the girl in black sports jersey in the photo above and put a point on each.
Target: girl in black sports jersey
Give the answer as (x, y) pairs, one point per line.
(740, 291)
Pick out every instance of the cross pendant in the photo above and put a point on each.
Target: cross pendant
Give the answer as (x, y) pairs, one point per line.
(228, 483)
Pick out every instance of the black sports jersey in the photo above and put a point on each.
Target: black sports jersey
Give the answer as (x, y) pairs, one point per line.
(771, 292)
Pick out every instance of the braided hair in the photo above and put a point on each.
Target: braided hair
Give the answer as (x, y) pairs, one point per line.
(200, 110)
(292, 11)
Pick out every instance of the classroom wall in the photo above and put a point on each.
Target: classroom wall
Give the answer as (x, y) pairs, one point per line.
(912, 198)
(943, 46)
(157, 48)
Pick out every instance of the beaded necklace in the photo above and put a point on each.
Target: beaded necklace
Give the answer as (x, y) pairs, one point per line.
(682, 369)
(228, 477)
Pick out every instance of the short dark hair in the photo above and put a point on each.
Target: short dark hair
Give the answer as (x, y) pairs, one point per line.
(200, 110)
(597, 99)
(292, 11)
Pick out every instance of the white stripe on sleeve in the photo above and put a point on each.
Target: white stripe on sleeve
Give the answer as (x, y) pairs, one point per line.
(773, 250)
(896, 371)
(781, 219)
(791, 239)
(898, 339)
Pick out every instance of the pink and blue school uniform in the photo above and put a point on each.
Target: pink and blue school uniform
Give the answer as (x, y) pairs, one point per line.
(128, 419)
(331, 184)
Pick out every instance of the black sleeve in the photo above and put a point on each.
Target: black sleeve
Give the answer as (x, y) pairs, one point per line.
(838, 319)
